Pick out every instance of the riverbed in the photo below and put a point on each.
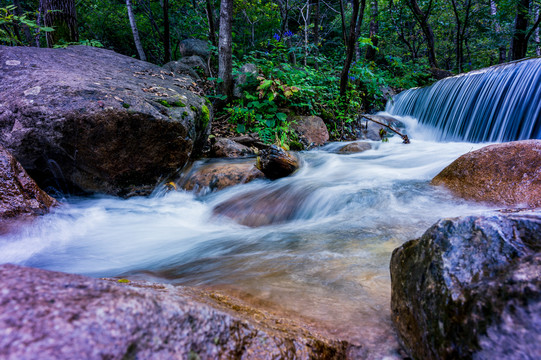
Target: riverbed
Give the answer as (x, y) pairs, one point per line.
(328, 265)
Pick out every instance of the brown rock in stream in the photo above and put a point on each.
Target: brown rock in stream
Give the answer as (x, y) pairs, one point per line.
(355, 147)
(261, 208)
(276, 163)
(19, 194)
(52, 315)
(311, 130)
(506, 174)
(219, 175)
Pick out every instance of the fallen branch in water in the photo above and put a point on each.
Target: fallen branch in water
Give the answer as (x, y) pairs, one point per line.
(403, 136)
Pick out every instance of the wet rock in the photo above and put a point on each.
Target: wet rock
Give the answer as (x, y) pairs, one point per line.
(470, 288)
(370, 130)
(245, 72)
(88, 119)
(190, 47)
(311, 130)
(228, 148)
(219, 175)
(63, 316)
(193, 66)
(19, 194)
(276, 163)
(506, 174)
(355, 147)
(440, 74)
(258, 208)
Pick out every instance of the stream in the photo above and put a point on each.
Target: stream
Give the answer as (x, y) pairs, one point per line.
(328, 266)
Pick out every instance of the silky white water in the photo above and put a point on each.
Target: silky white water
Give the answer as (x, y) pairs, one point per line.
(327, 266)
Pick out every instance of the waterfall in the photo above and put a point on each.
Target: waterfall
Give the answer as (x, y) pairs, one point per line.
(495, 104)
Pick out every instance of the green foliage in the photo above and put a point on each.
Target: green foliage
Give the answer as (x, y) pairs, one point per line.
(9, 22)
(93, 43)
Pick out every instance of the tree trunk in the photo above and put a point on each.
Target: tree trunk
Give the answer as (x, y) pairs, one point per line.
(502, 51)
(225, 45)
(166, 33)
(358, 31)
(135, 32)
(350, 49)
(315, 8)
(519, 43)
(60, 15)
(374, 27)
(422, 19)
(210, 18)
(536, 38)
(25, 29)
(343, 16)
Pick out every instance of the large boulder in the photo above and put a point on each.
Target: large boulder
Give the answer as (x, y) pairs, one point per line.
(19, 194)
(470, 288)
(215, 176)
(506, 174)
(190, 47)
(89, 119)
(51, 315)
(311, 130)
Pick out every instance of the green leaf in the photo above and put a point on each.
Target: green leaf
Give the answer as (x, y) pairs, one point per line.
(281, 116)
(241, 128)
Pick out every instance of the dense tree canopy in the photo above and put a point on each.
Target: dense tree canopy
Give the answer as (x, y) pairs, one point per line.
(311, 54)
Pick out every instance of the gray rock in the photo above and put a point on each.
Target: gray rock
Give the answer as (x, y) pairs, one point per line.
(245, 72)
(355, 147)
(193, 66)
(228, 148)
(51, 315)
(19, 194)
(93, 120)
(470, 288)
(189, 47)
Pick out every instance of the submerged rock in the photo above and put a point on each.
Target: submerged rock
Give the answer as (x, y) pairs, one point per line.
(228, 148)
(470, 287)
(53, 315)
(355, 147)
(219, 175)
(276, 163)
(19, 194)
(506, 174)
(311, 130)
(83, 118)
(261, 208)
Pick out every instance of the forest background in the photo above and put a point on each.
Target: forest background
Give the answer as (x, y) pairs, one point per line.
(334, 59)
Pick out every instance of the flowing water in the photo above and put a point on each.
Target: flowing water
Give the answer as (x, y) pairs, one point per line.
(500, 103)
(328, 266)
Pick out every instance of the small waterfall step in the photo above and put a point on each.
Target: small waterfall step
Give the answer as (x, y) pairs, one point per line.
(495, 104)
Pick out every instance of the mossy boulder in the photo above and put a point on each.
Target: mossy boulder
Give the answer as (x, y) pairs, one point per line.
(88, 119)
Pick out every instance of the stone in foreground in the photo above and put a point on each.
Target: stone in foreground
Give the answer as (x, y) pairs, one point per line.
(355, 147)
(51, 315)
(19, 194)
(470, 288)
(506, 174)
(91, 120)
